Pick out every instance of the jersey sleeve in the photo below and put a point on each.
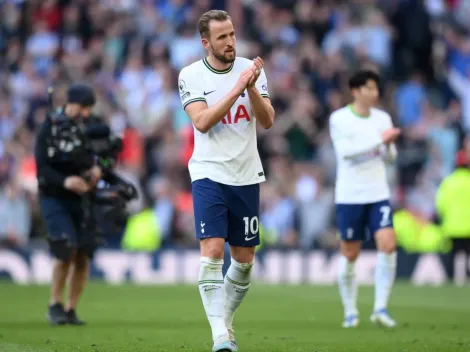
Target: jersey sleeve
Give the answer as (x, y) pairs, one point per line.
(347, 144)
(389, 152)
(387, 121)
(188, 88)
(262, 84)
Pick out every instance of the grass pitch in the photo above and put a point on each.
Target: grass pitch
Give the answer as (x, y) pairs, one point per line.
(272, 319)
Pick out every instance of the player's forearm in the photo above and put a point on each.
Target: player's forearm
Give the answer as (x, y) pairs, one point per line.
(263, 111)
(211, 116)
(352, 149)
(390, 153)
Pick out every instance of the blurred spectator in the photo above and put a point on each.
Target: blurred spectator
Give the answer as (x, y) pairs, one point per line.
(452, 205)
(15, 218)
(164, 206)
(410, 97)
(132, 51)
(278, 216)
(315, 207)
(460, 83)
(413, 38)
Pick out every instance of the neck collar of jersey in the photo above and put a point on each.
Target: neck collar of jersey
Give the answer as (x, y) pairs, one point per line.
(350, 106)
(212, 69)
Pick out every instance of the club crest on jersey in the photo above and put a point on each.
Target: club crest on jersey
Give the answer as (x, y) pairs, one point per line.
(241, 113)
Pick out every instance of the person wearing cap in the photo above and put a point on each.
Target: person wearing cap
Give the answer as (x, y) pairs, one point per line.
(61, 189)
(453, 208)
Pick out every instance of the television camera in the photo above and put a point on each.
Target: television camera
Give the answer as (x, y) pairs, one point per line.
(106, 204)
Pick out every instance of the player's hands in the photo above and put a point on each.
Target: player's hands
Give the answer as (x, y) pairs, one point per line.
(390, 135)
(257, 67)
(76, 184)
(243, 81)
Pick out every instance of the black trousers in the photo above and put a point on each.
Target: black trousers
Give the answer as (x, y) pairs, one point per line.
(459, 245)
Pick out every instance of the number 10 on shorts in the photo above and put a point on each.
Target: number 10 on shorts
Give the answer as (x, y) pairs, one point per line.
(251, 227)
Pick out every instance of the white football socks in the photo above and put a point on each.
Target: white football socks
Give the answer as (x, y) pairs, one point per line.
(237, 282)
(385, 271)
(211, 288)
(347, 286)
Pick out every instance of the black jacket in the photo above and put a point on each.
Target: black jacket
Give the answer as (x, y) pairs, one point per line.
(51, 174)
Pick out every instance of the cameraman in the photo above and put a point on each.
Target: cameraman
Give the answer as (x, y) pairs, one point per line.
(62, 187)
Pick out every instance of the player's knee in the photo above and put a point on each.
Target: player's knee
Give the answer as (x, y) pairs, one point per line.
(386, 241)
(215, 252)
(213, 248)
(388, 247)
(351, 255)
(350, 250)
(245, 255)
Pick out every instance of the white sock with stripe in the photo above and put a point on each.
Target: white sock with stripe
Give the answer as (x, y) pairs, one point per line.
(385, 271)
(211, 288)
(347, 286)
(237, 282)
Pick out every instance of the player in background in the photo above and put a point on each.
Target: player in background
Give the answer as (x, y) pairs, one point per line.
(363, 139)
(224, 95)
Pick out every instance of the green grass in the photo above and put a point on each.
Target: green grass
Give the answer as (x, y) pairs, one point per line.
(273, 319)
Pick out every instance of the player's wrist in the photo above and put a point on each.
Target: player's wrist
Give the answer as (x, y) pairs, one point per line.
(235, 93)
(252, 90)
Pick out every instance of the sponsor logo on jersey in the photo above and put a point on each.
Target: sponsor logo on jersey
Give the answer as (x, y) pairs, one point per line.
(366, 157)
(242, 113)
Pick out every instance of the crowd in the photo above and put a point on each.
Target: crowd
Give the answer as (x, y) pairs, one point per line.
(131, 51)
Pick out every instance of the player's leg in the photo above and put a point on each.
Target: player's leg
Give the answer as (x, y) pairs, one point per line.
(211, 285)
(211, 217)
(61, 237)
(381, 224)
(237, 282)
(350, 219)
(347, 281)
(243, 239)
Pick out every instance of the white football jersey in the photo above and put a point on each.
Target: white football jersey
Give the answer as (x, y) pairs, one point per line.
(228, 152)
(361, 155)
